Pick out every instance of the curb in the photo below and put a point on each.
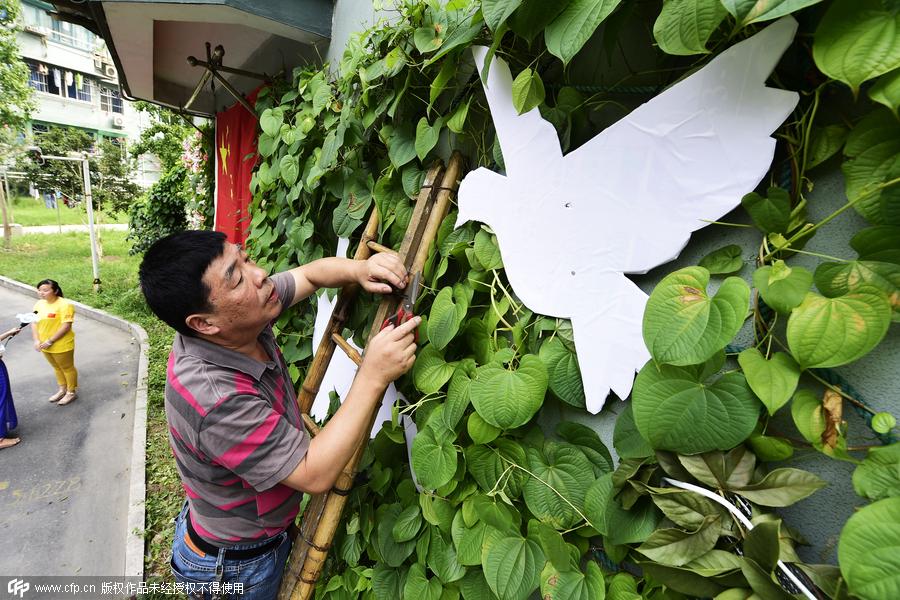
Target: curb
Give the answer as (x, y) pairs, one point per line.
(137, 493)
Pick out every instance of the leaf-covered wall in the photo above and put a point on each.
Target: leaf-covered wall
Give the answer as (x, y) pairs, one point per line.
(520, 496)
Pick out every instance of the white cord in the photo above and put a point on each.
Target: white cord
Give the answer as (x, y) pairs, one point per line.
(744, 521)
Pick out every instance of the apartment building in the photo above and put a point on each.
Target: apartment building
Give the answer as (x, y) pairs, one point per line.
(76, 83)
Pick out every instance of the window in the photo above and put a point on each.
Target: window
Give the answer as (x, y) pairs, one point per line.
(39, 128)
(37, 77)
(111, 100)
(83, 87)
(71, 35)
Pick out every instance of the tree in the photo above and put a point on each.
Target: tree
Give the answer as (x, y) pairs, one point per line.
(111, 168)
(16, 102)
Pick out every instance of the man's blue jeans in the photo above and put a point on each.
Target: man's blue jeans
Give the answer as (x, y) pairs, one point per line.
(210, 576)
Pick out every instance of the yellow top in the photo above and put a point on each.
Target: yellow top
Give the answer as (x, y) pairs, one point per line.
(52, 316)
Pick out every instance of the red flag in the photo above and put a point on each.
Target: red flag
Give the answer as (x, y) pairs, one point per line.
(235, 158)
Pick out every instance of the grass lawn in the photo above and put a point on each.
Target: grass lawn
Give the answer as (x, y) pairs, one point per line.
(67, 259)
(29, 211)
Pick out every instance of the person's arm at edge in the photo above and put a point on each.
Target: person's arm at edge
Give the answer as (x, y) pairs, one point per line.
(337, 272)
(331, 449)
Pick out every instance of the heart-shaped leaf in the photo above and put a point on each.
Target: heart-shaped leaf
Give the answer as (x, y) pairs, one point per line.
(830, 332)
(480, 430)
(442, 559)
(392, 553)
(512, 567)
(568, 32)
(266, 145)
(419, 586)
(878, 476)
(881, 243)
(883, 422)
(806, 410)
(683, 325)
(772, 213)
(867, 551)
(572, 584)
(606, 515)
(401, 143)
(427, 136)
(723, 261)
(773, 380)
(407, 525)
(782, 287)
(559, 471)
(562, 369)
(770, 449)
(429, 38)
(431, 371)
(627, 440)
(487, 250)
(873, 158)
(447, 313)
(457, 120)
(825, 142)
(887, 90)
(434, 456)
(675, 411)
(857, 40)
(271, 120)
(837, 279)
(290, 169)
(507, 398)
(527, 91)
(684, 26)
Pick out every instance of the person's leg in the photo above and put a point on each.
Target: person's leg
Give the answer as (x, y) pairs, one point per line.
(66, 362)
(257, 578)
(60, 376)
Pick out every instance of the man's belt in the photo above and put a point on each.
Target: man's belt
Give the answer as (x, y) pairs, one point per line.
(230, 553)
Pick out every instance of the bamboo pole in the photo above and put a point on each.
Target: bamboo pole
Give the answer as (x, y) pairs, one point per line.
(308, 548)
(316, 537)
(324, 352)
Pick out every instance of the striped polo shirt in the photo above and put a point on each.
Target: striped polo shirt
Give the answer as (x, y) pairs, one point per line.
(235, 431)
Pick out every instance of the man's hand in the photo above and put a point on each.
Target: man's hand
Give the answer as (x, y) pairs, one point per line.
(390, 354)
(380, 272)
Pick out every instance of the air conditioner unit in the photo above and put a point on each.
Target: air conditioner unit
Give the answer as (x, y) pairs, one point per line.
(118, 121)
(110, 71)
(36, 29)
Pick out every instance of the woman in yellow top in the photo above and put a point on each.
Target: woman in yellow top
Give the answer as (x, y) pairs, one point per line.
(53, 336)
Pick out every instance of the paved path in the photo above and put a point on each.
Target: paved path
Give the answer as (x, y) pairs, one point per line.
(64, 490)
(68, 228)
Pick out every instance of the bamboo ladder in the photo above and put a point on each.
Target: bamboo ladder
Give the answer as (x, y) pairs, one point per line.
(323, 513)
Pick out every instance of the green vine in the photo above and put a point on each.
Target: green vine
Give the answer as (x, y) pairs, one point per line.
(509, 507)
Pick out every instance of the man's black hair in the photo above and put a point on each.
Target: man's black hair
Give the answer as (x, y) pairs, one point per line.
(53, 285)
(171, 275)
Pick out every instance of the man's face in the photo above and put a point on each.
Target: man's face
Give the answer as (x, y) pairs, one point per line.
(241, 294)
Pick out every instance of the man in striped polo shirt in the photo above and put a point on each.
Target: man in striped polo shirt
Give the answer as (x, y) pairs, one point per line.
(234, 427)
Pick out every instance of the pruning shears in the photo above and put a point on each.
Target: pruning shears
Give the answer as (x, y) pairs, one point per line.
(405, 310)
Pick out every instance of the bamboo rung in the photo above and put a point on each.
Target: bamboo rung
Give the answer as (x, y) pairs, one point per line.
(310, 425)
(349, 350)
(376, 247)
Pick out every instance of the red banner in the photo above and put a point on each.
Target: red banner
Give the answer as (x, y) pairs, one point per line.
(235, 158)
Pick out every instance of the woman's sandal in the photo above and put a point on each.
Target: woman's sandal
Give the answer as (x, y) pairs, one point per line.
(69, 397)
(59, 394)
(8, 442)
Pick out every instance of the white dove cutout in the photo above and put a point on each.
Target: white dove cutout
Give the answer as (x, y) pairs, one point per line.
(341, 370)
(626, 201)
